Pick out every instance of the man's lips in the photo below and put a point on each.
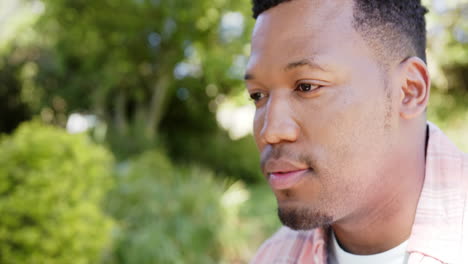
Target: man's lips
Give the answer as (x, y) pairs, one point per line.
(286, 180)
(283, 174)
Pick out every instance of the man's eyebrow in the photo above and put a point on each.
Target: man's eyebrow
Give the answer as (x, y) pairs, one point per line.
(304, 62)
(300, 63)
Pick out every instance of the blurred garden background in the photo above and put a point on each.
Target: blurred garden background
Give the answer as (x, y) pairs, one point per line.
(125, 129)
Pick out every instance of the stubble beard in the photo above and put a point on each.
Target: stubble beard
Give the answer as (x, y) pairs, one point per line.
(303, 218)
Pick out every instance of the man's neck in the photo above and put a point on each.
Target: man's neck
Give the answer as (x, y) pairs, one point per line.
(389, 222)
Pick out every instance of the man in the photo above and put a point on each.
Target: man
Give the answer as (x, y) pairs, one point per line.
(341, 88)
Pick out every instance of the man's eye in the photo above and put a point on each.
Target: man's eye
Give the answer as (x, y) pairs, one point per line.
(306, 87)
(257, 96)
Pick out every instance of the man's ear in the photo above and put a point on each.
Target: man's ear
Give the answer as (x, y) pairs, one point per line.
(414, 87)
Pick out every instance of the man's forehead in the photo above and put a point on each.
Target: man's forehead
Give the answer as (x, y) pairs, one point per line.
(305, 14)
(294, 49)
(281, 38)
(299, 29)
(300, 21)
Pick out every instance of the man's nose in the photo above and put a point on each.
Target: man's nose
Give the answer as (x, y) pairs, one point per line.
(278, 123)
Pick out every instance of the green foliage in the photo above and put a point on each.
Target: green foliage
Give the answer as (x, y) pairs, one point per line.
(165, 214)
(259, 214)
(132, 63)
(13, 109)
(448, 111)
(126, 61)
(239, 158)
(51, 187)
(248, 223)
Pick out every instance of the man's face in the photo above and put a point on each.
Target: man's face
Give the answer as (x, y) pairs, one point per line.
(324, 122)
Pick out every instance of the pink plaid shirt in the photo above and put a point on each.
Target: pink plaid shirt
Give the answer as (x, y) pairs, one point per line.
(440, 230)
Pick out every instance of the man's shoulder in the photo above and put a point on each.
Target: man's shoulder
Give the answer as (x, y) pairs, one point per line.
(290, 246)
(444, 158)
(440, 229)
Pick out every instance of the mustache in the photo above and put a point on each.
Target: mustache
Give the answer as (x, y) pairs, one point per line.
(282, 152)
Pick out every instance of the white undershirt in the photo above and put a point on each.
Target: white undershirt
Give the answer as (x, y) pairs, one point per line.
(396, 255)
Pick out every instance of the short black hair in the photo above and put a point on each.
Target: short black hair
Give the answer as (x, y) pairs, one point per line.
(394, 28)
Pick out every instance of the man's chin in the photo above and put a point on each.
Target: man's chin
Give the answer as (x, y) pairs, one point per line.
(303, 218)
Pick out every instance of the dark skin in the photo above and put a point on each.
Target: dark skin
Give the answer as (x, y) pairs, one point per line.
(356, 132)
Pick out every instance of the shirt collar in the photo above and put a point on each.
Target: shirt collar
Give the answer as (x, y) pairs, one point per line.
(437, 228)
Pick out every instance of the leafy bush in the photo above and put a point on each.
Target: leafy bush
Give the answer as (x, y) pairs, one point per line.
(259, 217)
(171, 215)
(51, 186)
(237, 158)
